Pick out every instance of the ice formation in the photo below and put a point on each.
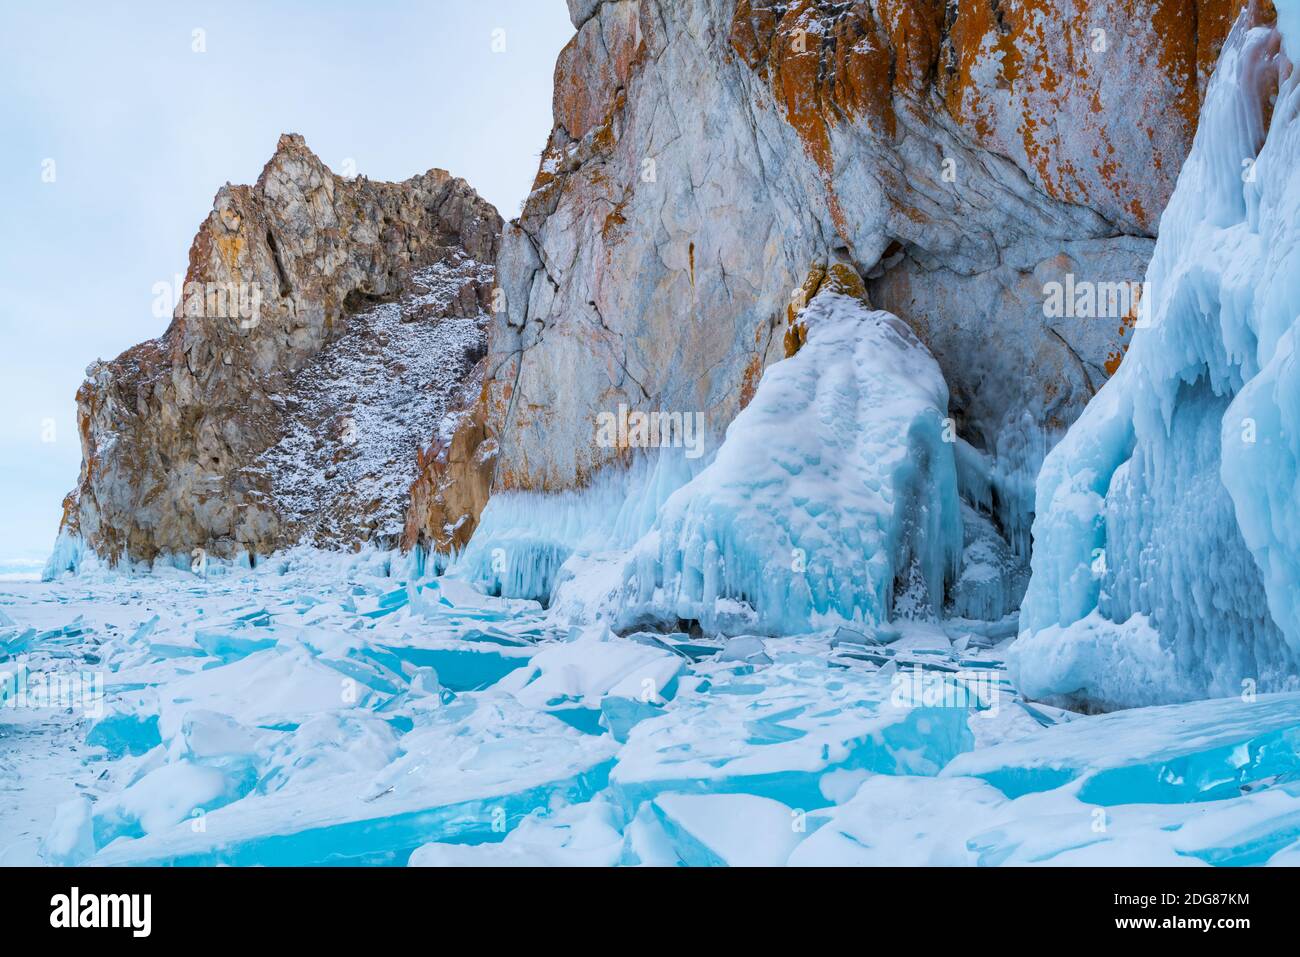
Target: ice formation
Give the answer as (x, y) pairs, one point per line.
(993, 578)
(834, 489)
(1173, 501)
(835, 483)
(325, 708)
(525, 538)
(742, 660)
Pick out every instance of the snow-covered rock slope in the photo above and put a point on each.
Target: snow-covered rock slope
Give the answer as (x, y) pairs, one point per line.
(319, 339)
(1167, 541)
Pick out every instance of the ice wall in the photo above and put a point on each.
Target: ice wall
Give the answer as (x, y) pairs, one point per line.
(524, 538)
(68, 556)
(1175, 496)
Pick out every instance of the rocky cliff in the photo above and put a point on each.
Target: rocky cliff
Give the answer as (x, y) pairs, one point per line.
(320, 340)
(711, 159)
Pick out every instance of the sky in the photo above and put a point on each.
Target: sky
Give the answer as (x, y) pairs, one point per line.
(120, 121)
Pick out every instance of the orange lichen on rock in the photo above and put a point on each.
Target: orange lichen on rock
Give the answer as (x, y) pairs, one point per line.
(1042, 81)
(838, 278)
(1045, 82)
(795, 333)
(830, 62)
(1127, 324)
(1115, 358)
(593, 68)
(614, 220)
(231, 246)
(843, 279)
(591, 82)
(749, 382)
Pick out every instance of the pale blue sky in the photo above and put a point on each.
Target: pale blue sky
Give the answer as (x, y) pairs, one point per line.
(142, 131)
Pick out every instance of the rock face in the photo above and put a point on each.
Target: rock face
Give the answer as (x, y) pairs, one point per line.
(711, 161)
(324, 331)
(711, 158)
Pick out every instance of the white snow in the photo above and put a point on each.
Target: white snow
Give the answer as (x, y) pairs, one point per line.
(358, 413)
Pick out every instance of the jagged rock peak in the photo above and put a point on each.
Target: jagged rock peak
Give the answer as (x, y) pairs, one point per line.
(323, 326)
(580, 11)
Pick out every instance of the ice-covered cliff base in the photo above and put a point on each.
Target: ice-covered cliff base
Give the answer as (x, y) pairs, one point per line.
(1166, 559)
(323, 708)
(835, 498)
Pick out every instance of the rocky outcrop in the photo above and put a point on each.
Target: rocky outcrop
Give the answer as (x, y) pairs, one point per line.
(712, 163)
(324, 331)
(454, 476)
(710, 159)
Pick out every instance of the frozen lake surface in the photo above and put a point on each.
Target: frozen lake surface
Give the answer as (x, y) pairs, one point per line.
(324, 709)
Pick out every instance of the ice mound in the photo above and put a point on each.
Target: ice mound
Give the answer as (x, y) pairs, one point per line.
(715, 830)
(1104, 664)
(890, 819)
(266, 689)
(1166, 755)
(1173, 501)
(584, 671)
(834, 486)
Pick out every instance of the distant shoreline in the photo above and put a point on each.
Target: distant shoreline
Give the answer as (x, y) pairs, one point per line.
(21, 570)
